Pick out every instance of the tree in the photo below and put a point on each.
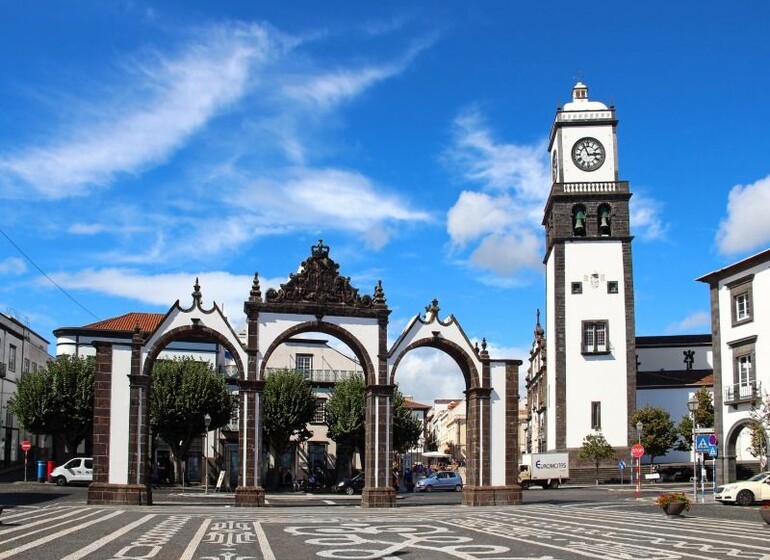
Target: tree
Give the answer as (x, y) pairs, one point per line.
(406, 428)
(596, 449)
(658, 431)
(760, 427)
(58, 400)
(288, 407)
(345, 418)
(182, 392)
(704, 418)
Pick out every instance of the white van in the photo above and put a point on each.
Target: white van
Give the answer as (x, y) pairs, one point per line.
(79, 470)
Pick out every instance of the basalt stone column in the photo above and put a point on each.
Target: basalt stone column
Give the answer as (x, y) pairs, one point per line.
(249, 492)
(100, 490)
(378, 491)
(478, 471)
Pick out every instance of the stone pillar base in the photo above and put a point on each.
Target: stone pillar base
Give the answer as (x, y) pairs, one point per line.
(249, 496)
(491, 495)
(378, 498)
(100, 493)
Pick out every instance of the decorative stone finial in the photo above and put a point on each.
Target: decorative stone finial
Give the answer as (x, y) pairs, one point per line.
(432, 308)
(379, 294)
(256, 293)
(197, 295)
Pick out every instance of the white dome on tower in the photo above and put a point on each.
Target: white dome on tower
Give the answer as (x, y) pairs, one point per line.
(580, 101)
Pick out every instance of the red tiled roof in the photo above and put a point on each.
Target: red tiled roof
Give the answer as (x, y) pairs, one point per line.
(414, 405)
(147, 322)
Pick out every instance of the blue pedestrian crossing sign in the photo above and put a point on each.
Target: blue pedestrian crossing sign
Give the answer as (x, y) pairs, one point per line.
(706, 443)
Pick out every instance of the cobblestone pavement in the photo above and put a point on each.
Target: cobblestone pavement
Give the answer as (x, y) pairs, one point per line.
(543, 531)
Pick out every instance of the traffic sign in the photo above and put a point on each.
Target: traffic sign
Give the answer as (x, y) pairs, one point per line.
(26, 446)
(621, 465)
(637, 450)
(702, 443)
(712, 451)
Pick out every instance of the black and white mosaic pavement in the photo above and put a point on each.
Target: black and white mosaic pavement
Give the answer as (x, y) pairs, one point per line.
(528, 531)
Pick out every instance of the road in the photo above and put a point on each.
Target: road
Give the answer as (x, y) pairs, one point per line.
(45, 522)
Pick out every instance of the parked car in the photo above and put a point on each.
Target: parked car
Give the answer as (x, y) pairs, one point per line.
(79, 470)
(442, 480)
(745, 492)
(351, 485)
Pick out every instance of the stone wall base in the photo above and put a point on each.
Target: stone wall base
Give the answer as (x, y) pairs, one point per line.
(491, 495)
(249, 496)
(378, 498)
(100, 493)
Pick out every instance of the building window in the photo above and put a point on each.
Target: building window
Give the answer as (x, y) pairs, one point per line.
(596, 415)
(304, 363)
(612, 287)
(320, 412)
(25, 367)
(11, 358)
(745, 386)
(595, 337)
(34, 367)
(316, 457)
(577, 287)
(742, 300)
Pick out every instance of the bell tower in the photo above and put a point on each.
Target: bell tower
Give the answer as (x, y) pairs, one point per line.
(589, 282)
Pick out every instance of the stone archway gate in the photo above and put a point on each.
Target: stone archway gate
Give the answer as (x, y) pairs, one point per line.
(316, 299)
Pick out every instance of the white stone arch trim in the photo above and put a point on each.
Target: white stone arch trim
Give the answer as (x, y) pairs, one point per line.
(337, 330)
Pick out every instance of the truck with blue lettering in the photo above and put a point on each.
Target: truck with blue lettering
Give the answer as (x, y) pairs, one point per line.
(548, 470)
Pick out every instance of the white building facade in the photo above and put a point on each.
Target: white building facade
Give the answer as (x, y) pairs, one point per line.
(740, 325)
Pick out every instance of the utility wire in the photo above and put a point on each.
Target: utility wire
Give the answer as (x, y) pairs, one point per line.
(51, 280)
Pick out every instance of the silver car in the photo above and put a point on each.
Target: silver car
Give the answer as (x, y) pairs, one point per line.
(442, 480)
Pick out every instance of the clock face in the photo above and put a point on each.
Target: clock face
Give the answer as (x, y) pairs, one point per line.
(588, 154)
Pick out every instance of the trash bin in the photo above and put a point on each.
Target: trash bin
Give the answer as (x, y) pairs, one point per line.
(50, 466)
(41, 471)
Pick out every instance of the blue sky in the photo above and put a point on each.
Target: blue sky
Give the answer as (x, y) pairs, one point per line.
(143, 144)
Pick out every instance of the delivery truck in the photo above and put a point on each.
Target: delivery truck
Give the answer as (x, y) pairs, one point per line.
(548, 470)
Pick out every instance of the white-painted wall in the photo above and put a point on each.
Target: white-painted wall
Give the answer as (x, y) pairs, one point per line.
(498, 421)
(599, 377)
(120, 414)
(661, 359)
(550, 343)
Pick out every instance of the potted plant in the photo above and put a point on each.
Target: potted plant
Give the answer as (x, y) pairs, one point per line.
(673, 503)
(764, 511)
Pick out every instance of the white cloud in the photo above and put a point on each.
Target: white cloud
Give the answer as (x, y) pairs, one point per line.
(699, 321)
(500, 226)
(746, 226)
(229, 291)
(135, 130)
(12, 266)
(427, 374)
(646, 220)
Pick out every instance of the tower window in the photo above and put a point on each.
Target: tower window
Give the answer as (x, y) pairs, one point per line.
(604, 220)
(612, 287)
(595, 337)
(596, 415)
(577, 287)
(579, 221)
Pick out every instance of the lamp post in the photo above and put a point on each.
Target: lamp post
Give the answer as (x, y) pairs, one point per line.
(692, 406)
(207, 422)
(639, 426)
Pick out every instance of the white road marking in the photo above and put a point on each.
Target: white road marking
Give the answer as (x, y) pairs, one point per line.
(267, 552)
(109, 538)
(195, 541)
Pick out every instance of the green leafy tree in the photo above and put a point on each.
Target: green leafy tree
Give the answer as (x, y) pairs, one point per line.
(406, 428)
(704, 417)
(59, 400)
(31, 403)
(345, 418)
(183, 391)
(596, 449)
(288, 406)
(658, 431)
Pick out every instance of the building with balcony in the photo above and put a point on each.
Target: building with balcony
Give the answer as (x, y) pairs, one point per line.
(740, 326)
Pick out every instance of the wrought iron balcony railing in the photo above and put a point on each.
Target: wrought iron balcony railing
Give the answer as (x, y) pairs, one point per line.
(321, 375)
(743, 392)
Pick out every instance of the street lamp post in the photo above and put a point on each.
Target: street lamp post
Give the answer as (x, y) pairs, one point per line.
(639, 426)
(692, 406)
(207, 422)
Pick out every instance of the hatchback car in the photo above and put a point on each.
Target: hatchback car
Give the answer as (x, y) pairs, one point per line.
(351, 485)
(79, 470)
(745, 492)
(443, 480)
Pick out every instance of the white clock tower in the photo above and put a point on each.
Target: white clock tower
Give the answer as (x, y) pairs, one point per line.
(589, 283)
